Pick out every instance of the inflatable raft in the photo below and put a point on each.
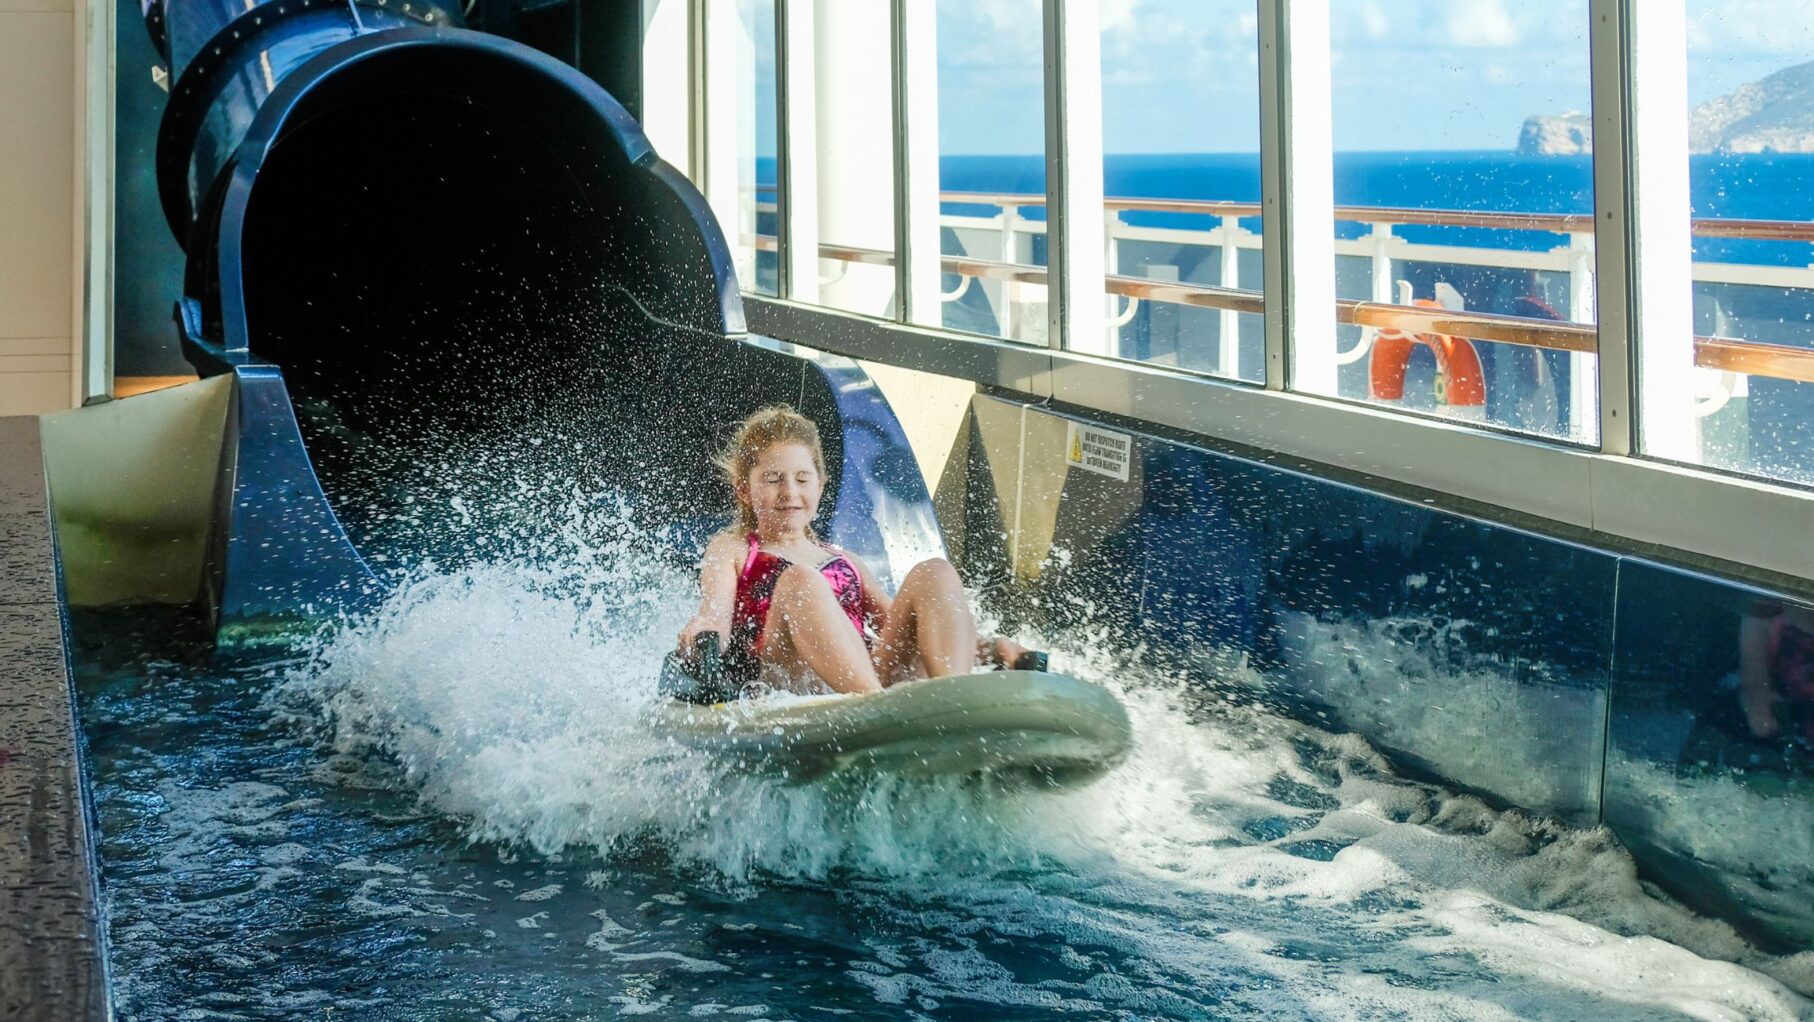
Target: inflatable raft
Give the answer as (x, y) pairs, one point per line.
(1027, 727)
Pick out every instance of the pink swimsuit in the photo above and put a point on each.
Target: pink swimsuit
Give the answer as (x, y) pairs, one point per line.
(756, 591)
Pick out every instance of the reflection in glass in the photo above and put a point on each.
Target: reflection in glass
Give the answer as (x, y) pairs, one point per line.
(853, 151)
(1160, 57)
(1463, 184)
(742, 140)
(1750, 158)
(992, 174)
(1710, 765)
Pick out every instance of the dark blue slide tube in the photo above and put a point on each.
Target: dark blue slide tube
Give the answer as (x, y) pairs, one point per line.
(421, 249)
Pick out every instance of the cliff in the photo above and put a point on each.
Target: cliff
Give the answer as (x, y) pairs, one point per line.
(1774, 115)
(1569, 134)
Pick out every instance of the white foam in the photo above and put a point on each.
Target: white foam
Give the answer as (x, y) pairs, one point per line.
(511, 698)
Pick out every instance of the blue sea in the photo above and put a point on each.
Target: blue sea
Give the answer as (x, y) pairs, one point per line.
(1771, 186)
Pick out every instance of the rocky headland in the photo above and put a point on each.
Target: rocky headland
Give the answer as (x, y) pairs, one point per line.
(1773, 115)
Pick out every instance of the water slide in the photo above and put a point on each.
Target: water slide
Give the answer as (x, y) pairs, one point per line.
(451, 282)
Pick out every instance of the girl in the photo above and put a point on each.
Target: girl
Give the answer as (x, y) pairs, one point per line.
(789, 608)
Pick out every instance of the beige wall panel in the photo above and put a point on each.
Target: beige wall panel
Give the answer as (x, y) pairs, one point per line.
(37, 176)
(10, 364)
(34, 346)
(37, 7)
(34, 393)
(1042, 474)
(932, 410)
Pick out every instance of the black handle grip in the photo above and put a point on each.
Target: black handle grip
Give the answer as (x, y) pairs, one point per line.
(708, 660)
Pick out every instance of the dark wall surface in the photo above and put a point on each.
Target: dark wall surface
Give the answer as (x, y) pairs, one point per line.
(148, 262)
(1578, 682)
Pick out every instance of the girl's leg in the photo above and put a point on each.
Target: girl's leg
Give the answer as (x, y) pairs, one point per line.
(930, 632)
(807, 628)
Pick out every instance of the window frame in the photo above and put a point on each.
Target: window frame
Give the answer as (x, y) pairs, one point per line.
(1615, 490)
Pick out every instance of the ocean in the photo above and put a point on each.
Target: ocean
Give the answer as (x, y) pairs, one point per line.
(1769, 186)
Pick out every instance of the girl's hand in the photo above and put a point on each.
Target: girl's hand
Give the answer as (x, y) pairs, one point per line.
(700, 625)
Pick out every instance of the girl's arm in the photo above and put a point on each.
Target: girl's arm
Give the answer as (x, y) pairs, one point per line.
(717, 591)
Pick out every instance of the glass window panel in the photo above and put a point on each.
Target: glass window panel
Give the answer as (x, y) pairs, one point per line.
(742, 112)
(854, 153)
(1462, 149)
(1181, 123)
(992, 171)
(1751, 158)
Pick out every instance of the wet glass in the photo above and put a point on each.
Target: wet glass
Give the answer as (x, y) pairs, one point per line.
(743, 136)
(852, 148)
(1710, 757)
(1745, 396)
(992, 173)
(1464, 182)
(1182, 193)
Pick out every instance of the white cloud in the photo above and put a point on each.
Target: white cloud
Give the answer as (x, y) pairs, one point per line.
(1481, 24)
(1735, 28)
(1117, 15)
(1364, 21)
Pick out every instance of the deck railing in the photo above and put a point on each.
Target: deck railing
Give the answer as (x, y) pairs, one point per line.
(1576, 335)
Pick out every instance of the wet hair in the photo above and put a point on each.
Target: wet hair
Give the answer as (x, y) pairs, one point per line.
(776, 424)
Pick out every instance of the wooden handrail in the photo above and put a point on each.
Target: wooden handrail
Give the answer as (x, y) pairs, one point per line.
(1554, 223)
(1730, 354)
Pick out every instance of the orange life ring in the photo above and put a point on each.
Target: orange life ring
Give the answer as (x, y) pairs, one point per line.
(1460, 379)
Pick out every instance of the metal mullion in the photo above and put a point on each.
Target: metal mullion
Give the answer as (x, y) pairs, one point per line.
(1612, 169)
(796, 169)
(1272, 191)
(903, 209)
(1298, 199)
(918, 275)
(1645, 47)
(720, 180)
(1074, 229)
(697, 108)
(93, 311)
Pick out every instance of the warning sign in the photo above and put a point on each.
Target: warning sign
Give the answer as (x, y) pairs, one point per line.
(1099, 450)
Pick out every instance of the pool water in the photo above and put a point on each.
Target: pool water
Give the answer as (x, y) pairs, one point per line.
(451, 808)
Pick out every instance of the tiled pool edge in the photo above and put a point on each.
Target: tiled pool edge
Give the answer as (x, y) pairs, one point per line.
(52, 943)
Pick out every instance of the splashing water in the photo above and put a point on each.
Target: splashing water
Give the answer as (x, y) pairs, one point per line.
(477, 791)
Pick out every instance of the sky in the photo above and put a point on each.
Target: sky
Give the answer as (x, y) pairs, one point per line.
(1182, 75)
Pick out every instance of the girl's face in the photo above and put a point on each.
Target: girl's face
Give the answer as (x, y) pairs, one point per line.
(783, 488)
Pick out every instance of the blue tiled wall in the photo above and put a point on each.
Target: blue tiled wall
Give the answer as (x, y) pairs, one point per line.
(1566, 679)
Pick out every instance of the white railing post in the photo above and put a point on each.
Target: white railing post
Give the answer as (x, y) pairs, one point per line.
(1228, 345)
(1381, 248)
(1583, 304)
(1111, 264)
(1008, 289)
